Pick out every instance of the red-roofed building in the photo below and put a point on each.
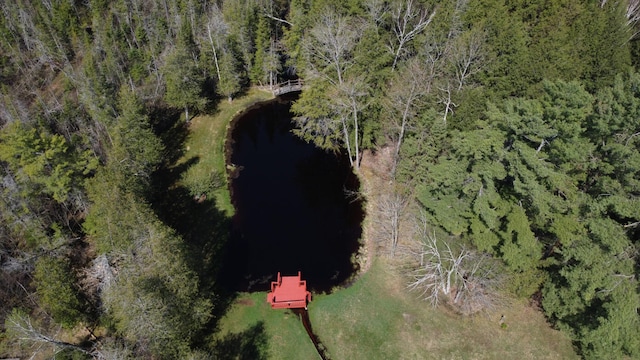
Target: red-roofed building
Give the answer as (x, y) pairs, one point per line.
(289, 292)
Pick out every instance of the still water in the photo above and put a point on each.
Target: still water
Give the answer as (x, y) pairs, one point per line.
(292, 208)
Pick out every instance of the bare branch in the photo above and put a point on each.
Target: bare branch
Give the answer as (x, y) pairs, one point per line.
(635, 224)
(445, 99)
(377, 9)
(407, 23)
(334, 38)
(406, 90)
(463, 278)
(391, 209)
(21, 328)
(468, 56)
(265, 13)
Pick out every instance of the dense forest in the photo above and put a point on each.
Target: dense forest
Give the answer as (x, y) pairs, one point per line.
(513, 128)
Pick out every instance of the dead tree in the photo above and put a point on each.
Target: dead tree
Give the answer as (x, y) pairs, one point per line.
(391, 208)
(463, 278)
(21, 328)
(439, 272)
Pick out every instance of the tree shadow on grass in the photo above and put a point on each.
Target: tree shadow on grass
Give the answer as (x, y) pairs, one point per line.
(203, 227)
(172, 132)
(251, 344)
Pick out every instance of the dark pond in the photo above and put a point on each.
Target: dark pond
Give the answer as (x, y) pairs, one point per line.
(292, 211)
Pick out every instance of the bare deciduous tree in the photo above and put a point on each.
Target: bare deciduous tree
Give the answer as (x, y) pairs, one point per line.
(216, 29)
(445, 99)
(408, 21)
(376, 9)
(391, 208)
(632, 14)
(334, 38)
(98, 277)
(456, 24)
(439, 271)
(468, 56)
(21, 328)
(113, 350)
(272, 65)
(461, 277)
(406, 89)
(348, 104)
(433, 56)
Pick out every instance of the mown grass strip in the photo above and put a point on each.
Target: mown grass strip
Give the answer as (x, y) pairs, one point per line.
(206, 142)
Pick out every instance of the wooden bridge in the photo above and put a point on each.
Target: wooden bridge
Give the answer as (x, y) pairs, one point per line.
(287, 87)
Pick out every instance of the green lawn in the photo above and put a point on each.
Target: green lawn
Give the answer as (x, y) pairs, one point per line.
(281, 333)
(377, 319)
(206, 141)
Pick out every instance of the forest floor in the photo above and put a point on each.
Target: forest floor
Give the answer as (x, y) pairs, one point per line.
(376, 317)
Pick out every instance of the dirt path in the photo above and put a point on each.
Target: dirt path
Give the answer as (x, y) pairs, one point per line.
(303, 314)
(375, 179)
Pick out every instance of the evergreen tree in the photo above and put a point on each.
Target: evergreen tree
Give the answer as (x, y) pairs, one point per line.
(231, 75)
(154, 299)
(55, 284)
(263, 42)
(45, 162)
(183, 79)
(137, 151)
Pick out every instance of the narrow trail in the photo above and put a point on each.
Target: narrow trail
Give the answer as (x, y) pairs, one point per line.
(303, 314)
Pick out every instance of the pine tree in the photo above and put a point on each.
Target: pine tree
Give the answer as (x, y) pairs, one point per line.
(55, 284)
(183, 79)
(45, 162)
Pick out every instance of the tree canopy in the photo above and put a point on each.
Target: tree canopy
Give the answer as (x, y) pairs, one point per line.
(514, 129)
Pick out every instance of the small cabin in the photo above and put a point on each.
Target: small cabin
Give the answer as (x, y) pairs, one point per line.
(289, 292)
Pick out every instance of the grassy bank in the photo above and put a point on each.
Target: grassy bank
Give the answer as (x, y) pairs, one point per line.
(377, 319)
(280, 334)
(206, 142)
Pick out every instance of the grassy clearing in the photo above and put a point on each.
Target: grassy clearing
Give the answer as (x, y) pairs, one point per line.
(282, 331)
(376, 319)
(206, 143)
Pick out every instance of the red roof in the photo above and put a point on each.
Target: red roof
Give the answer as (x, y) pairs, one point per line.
(289, 292)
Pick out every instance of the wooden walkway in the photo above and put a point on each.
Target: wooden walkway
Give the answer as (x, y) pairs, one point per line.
(287, 87)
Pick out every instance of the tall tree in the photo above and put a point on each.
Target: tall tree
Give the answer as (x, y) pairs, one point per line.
(330, 56)
(183, 79)
(216, 32)
(408, 21)
(154, 299)
(405, 94)
(136, 151)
